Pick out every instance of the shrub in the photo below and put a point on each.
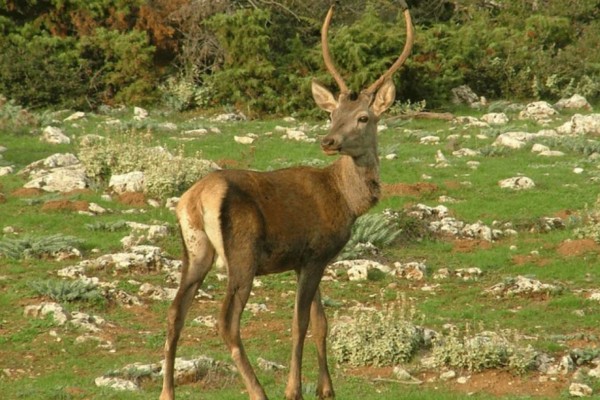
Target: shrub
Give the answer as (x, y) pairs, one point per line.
(486, 349)
(36, 247)
(370, 231)
(67, 291)
(377, 337)
(165, 174)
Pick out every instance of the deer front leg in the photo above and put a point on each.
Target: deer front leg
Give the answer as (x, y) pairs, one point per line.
(308, 283)
(318, 323)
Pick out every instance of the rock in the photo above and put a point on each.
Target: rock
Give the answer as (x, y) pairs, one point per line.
(6, 170)
(230, 117)
(297, 135)
(414, 271)
(551, 153)
(358, 270)
(116, 384)
(539, 111)
(130, 182)
(196, 132)
(440, 160)
(517, 183)
(54, 135)
(430, 139)
(521, 286)
(464, 95)
(59, 314)
(465, 152)
(86, 321)
(156, 292)
(448, 375)
(266, 365)
(244, 139)
(139, 113)
(581, 125)
(580, 390)
(574, 102)
(391, 156)
(75, 116)
(539, 148)
(495, 118)
(43, 166)
(65, 179)
(208, 320)
(510, 142)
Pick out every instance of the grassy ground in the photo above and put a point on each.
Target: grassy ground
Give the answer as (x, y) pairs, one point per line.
(39, 359)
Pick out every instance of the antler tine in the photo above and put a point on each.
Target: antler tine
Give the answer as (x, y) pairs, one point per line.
(327, 56)
(410, 38)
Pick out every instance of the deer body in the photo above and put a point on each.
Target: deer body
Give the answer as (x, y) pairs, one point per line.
(291, 219)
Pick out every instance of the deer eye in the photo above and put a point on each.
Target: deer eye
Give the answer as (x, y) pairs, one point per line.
(363, 119)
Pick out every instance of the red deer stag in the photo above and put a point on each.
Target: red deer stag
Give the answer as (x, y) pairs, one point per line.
(291, 219)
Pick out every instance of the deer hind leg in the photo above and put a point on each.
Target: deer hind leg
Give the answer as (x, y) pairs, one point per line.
(308, 284)
(198, 257)
(238, 291)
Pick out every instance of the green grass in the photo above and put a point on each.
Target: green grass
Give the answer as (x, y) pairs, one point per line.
(58, 369)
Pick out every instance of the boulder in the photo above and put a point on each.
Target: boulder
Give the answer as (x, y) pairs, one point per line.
(129, 182)
(139, 113)
(581, 125)
(574, 102)
(517, 183)
(495, 118)
(65, 179)
(54, 135)
(75, 116)
(464, 95)
(539, 111)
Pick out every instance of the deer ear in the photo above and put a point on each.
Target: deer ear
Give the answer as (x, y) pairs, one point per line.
(323, 97)
(384, 98)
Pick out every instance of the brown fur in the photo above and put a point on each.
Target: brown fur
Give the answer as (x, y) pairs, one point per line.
(268, 222)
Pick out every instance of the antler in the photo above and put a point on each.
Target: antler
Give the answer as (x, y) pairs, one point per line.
(410, 38)
(327, 56)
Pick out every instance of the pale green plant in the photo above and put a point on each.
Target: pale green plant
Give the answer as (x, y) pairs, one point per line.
(591, 227)
(165, 173)
(377, 337)
(36, 246)
(476, 351)
(371, 231)
(67, 291)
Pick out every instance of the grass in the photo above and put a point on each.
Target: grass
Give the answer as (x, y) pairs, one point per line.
(44, 362)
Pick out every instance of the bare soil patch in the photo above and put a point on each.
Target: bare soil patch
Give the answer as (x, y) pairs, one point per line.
(577, 247)
(502, 383)
(418, 189)
(134, 199)
(523, 259)
(469, 245)
(70, 205)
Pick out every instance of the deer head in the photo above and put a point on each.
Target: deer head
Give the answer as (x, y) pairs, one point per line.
(354, 120)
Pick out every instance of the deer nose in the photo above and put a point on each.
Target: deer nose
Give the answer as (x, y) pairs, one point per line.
(328, 142)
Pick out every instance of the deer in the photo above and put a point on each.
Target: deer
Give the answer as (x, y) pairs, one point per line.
(294, 219)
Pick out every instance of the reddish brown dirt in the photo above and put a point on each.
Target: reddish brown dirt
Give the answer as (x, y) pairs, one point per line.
(522, 259)
(25, 192)
(2, 198)
(134, 199)
(469, 245)
(418, 189)
(58, 205)
(501, 383)
(577, 247)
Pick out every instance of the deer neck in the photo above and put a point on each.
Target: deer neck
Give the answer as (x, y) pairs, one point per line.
(358, 181)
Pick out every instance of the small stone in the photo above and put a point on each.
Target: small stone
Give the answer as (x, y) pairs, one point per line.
(580, 390)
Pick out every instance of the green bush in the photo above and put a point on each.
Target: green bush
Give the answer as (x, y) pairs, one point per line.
(40, 70)
(67, 291)
(36, 246)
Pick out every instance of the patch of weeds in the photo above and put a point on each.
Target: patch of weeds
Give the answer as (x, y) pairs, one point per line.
(476, 351)
(370, 233)
(591, 220)
(165, 173)
(494, 151)
(377, 337)
(107, 226)
(37, 247)
(64, 291)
